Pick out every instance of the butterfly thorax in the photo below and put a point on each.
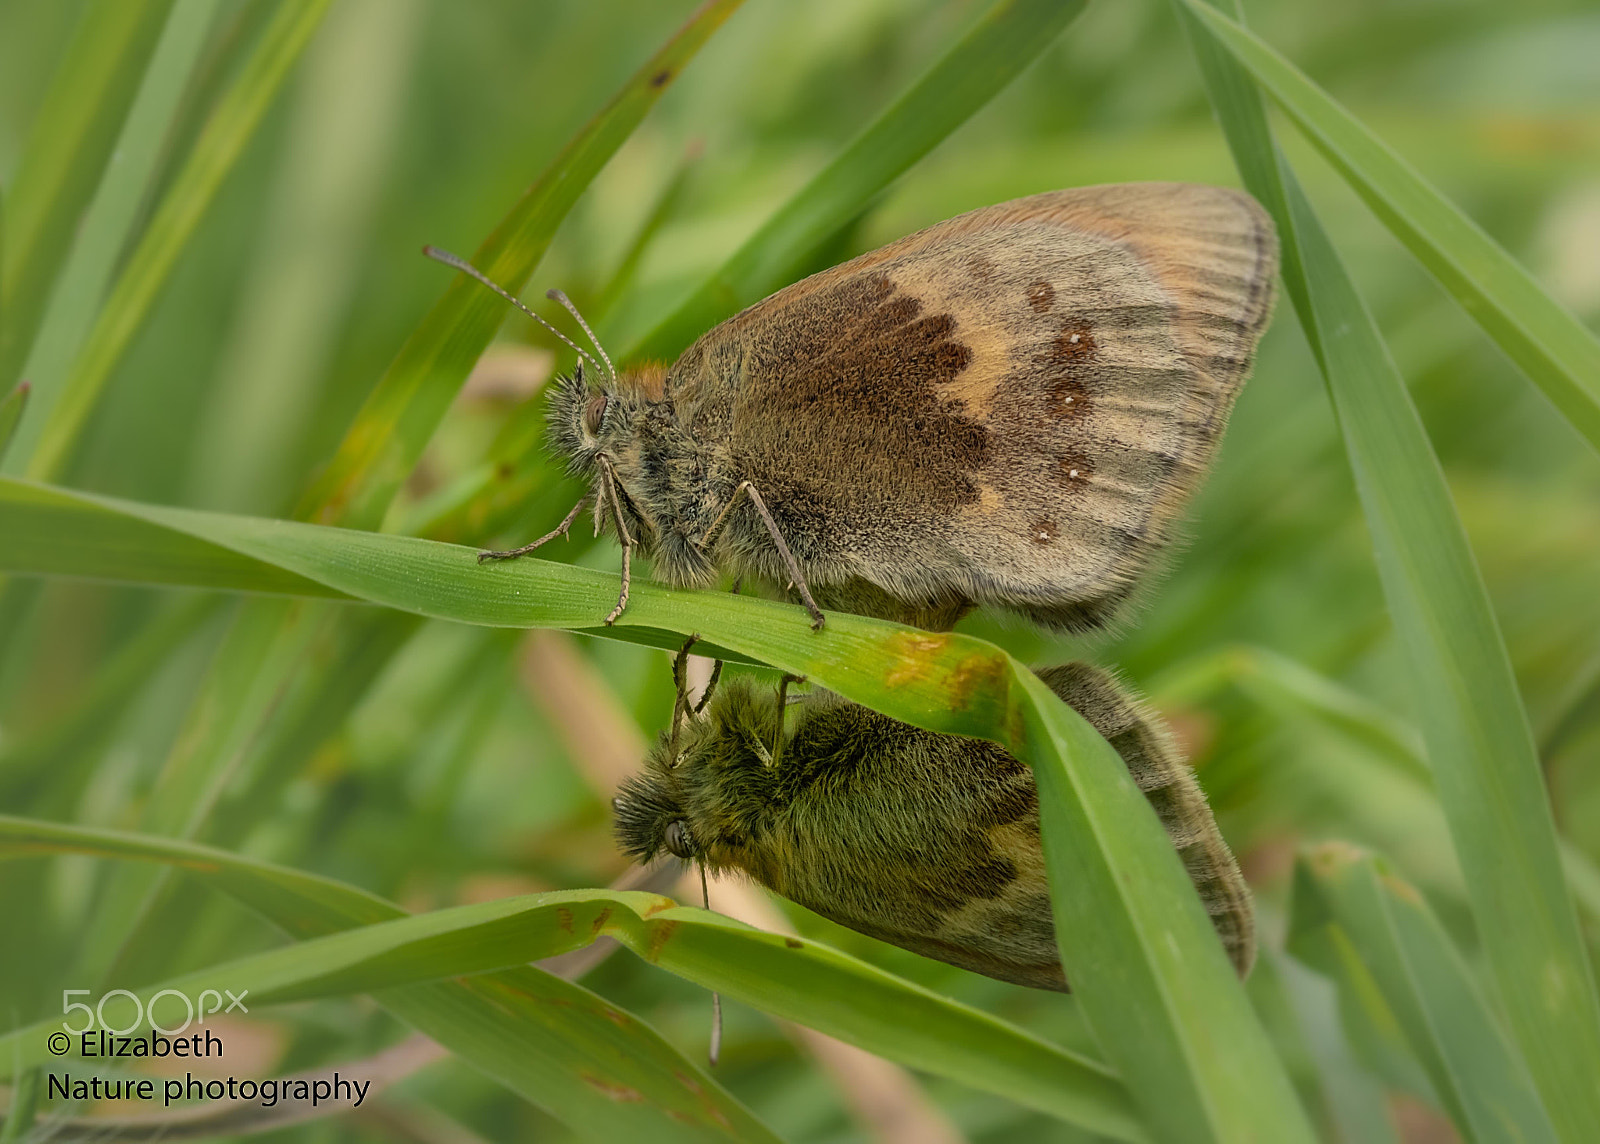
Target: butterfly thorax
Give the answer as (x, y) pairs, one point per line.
(671, 481)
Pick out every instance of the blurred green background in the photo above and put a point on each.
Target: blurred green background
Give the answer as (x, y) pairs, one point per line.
(429, 763)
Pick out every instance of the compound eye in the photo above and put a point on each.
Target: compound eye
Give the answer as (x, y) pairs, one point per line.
(678, 841)
(594, 413)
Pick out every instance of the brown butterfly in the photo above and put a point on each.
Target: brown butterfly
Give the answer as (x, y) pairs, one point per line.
(927, 841)
(1009, 408)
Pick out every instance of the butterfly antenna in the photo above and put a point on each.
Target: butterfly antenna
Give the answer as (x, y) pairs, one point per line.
(466, 267)
(561, 296)
(716, 998)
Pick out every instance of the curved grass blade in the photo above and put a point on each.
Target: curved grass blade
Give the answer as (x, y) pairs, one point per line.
(53, 532)
(230, 128)
(67, 150)
(1148, 969)
(1485, 766)
(1548, 343)
(801, 980)
(555, 1043)
(405, 407)
(1008, 37)
(1480, 1078)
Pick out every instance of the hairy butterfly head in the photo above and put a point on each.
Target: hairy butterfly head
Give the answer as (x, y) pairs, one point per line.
(710, 799)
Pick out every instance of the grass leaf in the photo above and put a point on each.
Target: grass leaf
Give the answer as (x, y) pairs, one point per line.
(231, 126)
(1547, 342)
(1440, 1012)
(67, 150)
(1471, 716)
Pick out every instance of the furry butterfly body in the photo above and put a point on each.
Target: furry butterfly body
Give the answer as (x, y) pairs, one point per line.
(929, 842)
(1009, 408)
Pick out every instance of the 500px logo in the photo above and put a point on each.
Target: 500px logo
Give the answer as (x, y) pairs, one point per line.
(209, 1001)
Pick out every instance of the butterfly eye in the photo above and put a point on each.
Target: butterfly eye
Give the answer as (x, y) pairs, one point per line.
(677, 839)
(594, 413)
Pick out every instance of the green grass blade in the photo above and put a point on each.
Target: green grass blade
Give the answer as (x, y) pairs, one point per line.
(1547, 342)
(53, 533)
(1009, 36)
(67, 151)
(38, 760)
(1147, 967)
(232, 125)
(11, 410)
(800, 980)
(405, 407)
(1471, 715)
(1478, 1075)
(1174, 1017)
(103, 236)
(557, 1044)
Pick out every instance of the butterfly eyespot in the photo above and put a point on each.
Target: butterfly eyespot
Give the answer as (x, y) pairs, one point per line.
(677, 839)
(594, 413)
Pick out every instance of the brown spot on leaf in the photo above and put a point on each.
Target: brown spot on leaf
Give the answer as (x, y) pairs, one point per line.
(794, 943)
(661, 77)
(915, 650)
(660, 904)
(564, 918)
(977, 673)
(660, 934)
(1041, 296)
(599, 922)
(615, 1016)
(611, 1090)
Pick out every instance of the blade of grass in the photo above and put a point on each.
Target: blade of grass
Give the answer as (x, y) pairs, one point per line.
(405, 407)
(230, 128)
(67, 149)
(60, 748)
(1549, 344)
(1471, 716)
(1005, 39)
(1480, 1077)
(11, 410)
(1287, 686)
(57, 533)
(103, 236)
(557, 1044)
(802, 980)
(1136, 942)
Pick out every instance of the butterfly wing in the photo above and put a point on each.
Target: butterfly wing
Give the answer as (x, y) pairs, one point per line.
(1009, 408)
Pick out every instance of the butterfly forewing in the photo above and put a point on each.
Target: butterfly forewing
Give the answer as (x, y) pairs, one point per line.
(1009, 408)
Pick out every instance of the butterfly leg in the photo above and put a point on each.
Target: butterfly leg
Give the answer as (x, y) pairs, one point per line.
(789, 562)
(680, 702)
(609, 480)
(783, 707)
(711, 685)
(560, 530)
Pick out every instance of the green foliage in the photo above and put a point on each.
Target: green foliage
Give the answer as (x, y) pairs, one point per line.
(323, 764)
